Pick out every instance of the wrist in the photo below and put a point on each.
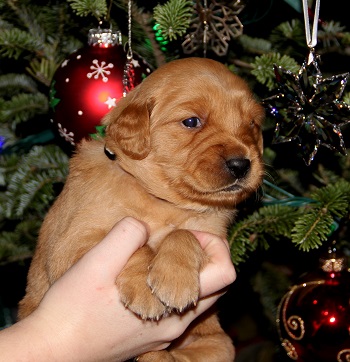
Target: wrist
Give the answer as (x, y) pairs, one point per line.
(55, 336)
(26, 340)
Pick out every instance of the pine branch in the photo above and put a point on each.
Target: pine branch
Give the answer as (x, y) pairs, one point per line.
(13, 83)
(43, 70)
(8, 165)
(330, 32)
(173, 17)
(345, 41)
(36, 191)
(307, 226)
(5, 24)
(336, 197)
(255, 45)
(275, 221)
(316, 223)
(271, 285)
(10, 248)
(29, 191)
(23, 107)
(40, 31)
(263, 67)
(19, 244)
(346, 97)
(14, 43)
(96, 8)
(30, 184)
(310, 231)
(289, 32)
(143, 19)
(7, 138)
(28, 19)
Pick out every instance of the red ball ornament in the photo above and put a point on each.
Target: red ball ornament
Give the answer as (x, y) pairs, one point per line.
(90, 82)
(313, 318)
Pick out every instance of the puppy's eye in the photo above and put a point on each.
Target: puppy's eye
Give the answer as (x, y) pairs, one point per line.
(252, 123)
(193, 122)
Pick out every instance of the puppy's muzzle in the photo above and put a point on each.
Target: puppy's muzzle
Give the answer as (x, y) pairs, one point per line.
(238, 167)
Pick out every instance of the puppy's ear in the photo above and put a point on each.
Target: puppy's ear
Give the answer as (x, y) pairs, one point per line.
(128, 127)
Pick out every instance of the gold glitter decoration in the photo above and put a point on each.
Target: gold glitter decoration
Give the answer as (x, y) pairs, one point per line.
(290, 349)
(333, 264)
(344, 356)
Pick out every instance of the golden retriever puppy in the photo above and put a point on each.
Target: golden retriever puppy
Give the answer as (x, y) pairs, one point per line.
(181, 151)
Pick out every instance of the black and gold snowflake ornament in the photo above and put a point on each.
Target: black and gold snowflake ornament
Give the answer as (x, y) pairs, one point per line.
(213, 26)
(308, 108)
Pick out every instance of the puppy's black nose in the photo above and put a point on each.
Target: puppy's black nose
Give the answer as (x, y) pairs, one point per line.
(238, 167)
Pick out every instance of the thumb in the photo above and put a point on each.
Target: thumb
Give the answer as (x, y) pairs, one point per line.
(109, 257)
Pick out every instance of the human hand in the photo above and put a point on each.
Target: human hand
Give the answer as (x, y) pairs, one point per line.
(81, 317)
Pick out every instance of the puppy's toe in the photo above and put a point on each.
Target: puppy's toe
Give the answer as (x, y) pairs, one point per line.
(139, 299)
(134, 291)
(156, 356)
(176, 286)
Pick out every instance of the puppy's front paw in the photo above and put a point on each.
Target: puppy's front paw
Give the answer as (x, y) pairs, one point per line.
(134, 292)
(138, 298)
(174, 272)
(175, 284)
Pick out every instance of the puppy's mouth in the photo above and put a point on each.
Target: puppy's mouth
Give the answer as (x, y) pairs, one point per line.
(231, 188)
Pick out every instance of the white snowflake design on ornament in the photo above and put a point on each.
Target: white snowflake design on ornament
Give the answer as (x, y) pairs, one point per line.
(100, 70)
(135, 63)
(64, 63)
(68, 136)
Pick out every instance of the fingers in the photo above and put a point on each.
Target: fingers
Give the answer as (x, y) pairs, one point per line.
(113, 252)
(108, 258)
(219, 272)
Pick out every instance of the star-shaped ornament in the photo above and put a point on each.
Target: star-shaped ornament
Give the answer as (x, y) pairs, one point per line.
(308, 108)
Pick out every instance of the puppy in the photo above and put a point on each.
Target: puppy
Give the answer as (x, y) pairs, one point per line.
(181, 151)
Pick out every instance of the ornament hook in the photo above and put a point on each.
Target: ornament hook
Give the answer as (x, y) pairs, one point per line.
(311, 41)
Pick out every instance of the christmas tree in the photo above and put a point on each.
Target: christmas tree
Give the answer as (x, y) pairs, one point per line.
(303, 204)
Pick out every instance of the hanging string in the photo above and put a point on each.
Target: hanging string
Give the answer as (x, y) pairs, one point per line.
(108, 16)
(206, 29)
(129, 53)
(129, 72)
(311, 40)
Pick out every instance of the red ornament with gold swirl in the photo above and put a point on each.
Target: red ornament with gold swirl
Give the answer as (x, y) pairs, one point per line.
(313, 318)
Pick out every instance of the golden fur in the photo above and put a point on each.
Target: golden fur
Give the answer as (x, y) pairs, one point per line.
(172, 176)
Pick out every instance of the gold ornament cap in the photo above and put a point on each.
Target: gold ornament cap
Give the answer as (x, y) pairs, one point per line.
(333, 262)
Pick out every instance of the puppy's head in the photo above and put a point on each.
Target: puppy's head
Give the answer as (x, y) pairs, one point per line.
(190, 134)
